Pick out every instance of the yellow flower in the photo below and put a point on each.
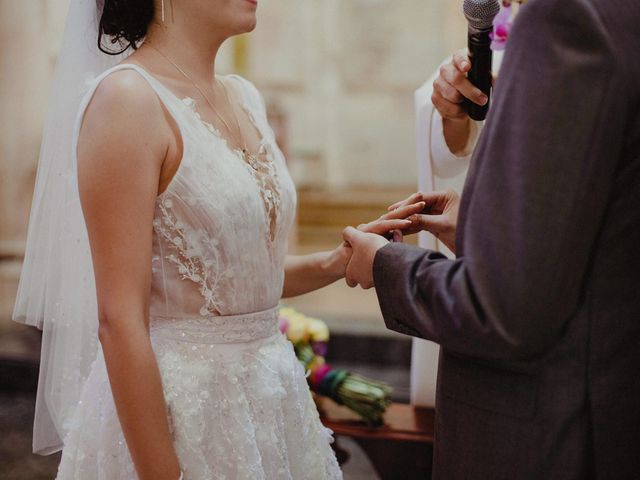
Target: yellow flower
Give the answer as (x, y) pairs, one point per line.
(303, 328)
(318, 330)
(297, 332)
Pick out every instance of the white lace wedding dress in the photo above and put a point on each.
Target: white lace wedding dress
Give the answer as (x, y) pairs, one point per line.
(238, 402)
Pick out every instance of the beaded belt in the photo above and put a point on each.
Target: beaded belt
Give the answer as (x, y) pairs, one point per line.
(217, 329)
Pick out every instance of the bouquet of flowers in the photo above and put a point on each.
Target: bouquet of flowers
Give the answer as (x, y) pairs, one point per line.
(309, 337)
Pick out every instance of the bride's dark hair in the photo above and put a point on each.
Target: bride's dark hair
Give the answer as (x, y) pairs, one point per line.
(125, 22)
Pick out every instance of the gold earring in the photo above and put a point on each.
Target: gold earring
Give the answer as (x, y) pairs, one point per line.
(162, 10)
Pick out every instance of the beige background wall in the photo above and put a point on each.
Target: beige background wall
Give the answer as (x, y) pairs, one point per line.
(345, 70)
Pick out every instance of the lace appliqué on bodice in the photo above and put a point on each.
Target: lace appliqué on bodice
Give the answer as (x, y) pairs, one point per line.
(194, 253)
(222, 223)
(260, 166)
(263, 171)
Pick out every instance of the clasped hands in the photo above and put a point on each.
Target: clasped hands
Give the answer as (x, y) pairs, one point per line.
(435, 212)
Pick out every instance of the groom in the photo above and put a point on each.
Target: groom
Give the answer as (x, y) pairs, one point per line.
(539, 316)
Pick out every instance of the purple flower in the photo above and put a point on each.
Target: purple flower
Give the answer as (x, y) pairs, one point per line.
(501, 28)
(320, 348)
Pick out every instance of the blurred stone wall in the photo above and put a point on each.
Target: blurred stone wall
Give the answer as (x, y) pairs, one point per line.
(29, 36)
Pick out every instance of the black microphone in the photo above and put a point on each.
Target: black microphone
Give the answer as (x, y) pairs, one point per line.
(480, 15)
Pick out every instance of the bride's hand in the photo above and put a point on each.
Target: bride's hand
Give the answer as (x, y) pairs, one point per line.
(394, 221)
(337, 260)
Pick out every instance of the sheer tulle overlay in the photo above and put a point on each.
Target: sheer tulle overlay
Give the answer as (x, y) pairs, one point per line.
(238, 403)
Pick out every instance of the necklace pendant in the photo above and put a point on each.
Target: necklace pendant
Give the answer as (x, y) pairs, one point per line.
(251, 159)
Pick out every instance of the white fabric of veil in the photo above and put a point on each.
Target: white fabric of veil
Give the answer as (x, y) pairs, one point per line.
(57, 289)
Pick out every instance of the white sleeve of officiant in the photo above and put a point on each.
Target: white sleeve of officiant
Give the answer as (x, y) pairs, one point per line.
(447, 164)
(432, 146)
(424, 357)
(435, 161)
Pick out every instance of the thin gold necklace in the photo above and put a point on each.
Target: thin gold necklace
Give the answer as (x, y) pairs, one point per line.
(247, 156)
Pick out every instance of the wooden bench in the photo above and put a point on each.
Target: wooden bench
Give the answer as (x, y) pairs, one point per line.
(401, 449)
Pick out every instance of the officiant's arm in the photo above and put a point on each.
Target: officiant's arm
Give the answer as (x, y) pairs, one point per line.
(534, 204)
(451, 135)
(451, 88)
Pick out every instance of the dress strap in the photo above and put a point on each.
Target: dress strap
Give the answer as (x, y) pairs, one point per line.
(253, 103)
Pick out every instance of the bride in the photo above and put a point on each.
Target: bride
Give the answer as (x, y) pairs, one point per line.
(157, 256)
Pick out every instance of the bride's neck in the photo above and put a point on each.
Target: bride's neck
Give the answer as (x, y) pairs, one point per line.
(192, 51)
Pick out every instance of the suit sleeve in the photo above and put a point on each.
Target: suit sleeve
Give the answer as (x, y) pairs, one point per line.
(535, 200)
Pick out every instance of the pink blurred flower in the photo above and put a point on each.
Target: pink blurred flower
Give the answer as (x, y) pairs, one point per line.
(283, 324)
(501, 28)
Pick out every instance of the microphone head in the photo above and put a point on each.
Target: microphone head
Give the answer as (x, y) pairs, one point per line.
(480, 13)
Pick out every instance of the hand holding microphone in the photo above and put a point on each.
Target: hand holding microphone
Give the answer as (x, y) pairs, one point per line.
(452, 88)
(464, 84)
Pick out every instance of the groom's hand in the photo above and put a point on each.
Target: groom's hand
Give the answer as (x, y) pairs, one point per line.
(364, 248)
(439, 217)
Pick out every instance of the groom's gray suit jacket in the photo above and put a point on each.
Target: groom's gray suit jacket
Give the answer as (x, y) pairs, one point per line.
(539, 316)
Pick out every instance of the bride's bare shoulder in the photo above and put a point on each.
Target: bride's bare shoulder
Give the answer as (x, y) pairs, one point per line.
(123, 106)
(126, 94)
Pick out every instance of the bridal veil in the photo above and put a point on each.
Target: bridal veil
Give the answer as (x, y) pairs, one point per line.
(57, 290)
